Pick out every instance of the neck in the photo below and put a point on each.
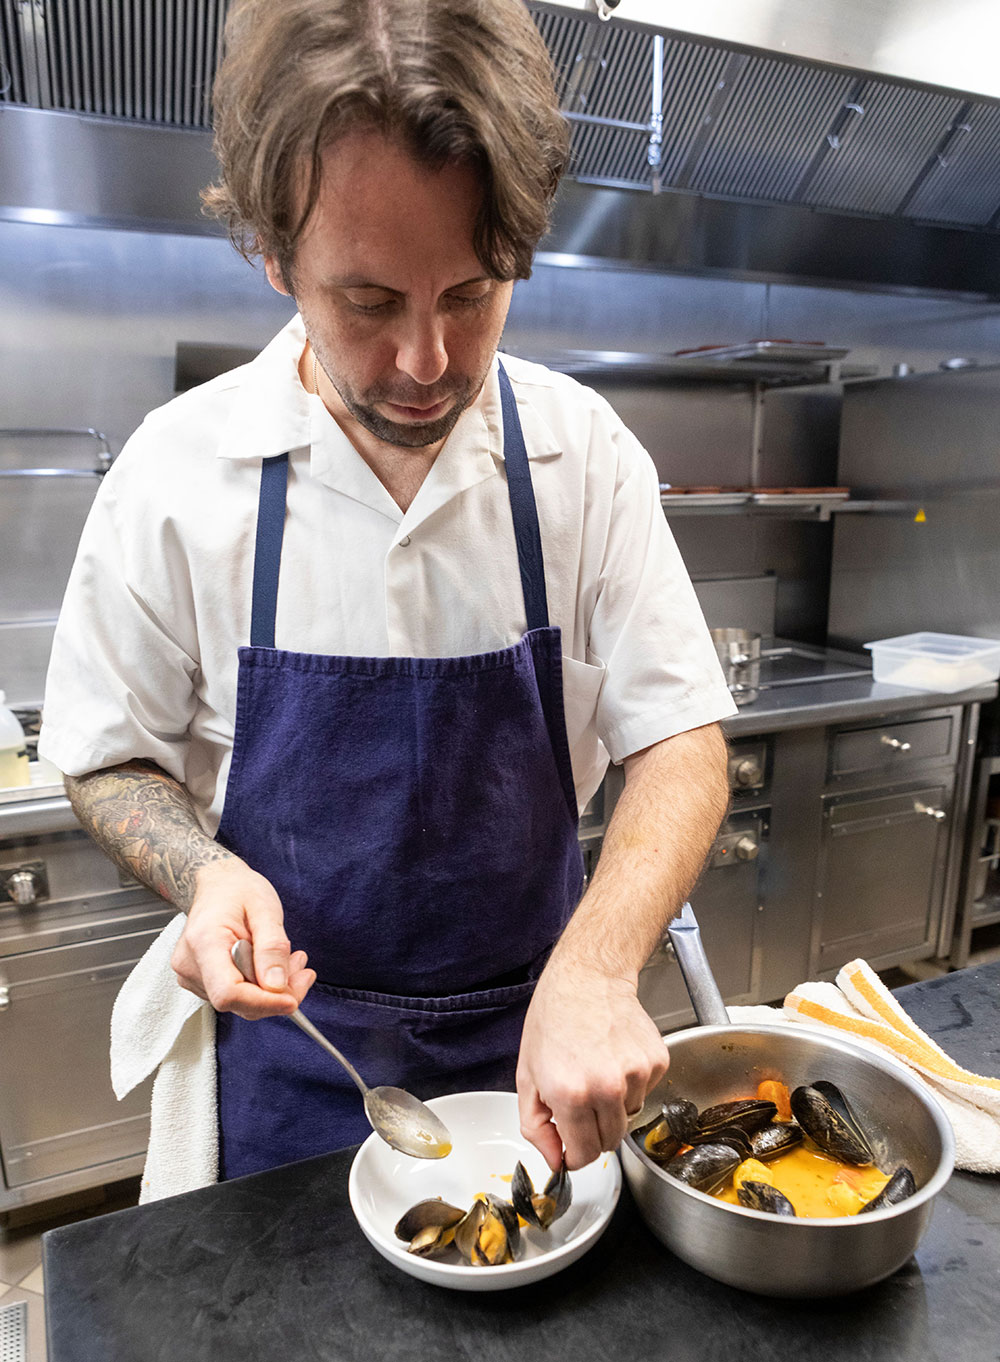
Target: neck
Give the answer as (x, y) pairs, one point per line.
(400, 469)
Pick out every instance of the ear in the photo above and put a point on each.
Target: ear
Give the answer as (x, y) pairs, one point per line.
(274, 275)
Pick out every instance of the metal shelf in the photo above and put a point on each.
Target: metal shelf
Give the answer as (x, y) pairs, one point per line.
(760, 362)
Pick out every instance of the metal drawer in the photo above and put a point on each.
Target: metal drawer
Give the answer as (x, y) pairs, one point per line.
(892, 746)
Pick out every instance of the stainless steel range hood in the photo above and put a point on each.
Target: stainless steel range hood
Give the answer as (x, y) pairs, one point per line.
(768, 139)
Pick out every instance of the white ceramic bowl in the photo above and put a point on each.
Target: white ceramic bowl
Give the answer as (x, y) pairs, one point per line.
(487, 1144)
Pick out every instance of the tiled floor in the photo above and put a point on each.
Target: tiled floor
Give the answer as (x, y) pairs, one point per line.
(21, 1277)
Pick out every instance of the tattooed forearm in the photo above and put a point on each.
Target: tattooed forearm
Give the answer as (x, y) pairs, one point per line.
(144, 820)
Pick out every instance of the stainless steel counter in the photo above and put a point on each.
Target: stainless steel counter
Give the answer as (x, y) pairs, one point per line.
(837, 701)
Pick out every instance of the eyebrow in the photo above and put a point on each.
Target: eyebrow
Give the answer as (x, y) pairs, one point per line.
(358, 281)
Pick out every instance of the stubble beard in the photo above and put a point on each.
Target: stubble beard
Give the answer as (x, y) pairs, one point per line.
(408, 435)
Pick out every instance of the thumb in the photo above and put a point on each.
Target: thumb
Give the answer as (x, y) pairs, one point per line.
(271, 949)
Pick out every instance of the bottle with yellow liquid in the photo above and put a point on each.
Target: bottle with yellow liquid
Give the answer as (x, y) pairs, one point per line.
(14, 767)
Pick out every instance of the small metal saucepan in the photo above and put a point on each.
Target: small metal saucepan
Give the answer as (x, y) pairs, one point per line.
(773, 1255)
(739, 652)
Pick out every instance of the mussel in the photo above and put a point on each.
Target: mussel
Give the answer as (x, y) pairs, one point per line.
(900, 1186)
(774, 1139)
(704, 1166)
(541, 1208)
(823, 1112)
(761, 1196)
(489, 1233)
(429, 1227)
(678, 1124)
(749, 1113)
(734, 1136)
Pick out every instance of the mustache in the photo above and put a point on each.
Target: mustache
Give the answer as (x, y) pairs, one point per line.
(414, 397)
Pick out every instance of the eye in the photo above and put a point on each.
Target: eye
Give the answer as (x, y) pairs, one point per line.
(475, 298)
(369, 301)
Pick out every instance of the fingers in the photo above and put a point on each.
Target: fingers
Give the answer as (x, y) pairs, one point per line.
(235, 903)
(536, 1124)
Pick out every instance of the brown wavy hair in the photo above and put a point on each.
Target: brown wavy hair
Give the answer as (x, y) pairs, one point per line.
(466, 81)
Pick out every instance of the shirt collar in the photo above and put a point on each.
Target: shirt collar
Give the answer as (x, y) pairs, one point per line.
(273, 413)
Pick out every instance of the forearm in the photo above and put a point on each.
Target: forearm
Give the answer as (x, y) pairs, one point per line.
(145, 821)
(676, 795)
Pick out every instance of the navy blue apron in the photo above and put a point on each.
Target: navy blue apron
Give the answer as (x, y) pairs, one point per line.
(417, 818)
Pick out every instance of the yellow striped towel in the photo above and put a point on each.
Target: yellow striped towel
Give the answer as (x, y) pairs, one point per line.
(859, 1006)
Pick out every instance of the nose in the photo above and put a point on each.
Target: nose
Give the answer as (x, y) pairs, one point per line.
(421, 352)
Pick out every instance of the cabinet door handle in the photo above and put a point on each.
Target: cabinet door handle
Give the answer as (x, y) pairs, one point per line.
(937, 814)
(894, 743)
(4, 997)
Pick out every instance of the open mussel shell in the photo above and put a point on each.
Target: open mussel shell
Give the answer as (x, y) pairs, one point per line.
(705, 1166)
(489, 1232)
(761, 1196)
(676, 1125)
(900, 1186)
(774, 1139)
(824, 1113)
(541, 1208)
(749, 1113)
(429, 1226)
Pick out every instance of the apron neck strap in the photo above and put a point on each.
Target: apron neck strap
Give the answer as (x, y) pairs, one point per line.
(267, 550)
(523, 509)
(271, 528)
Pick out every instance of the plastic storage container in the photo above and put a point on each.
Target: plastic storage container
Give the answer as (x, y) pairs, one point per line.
(938, 662)
(14, 767)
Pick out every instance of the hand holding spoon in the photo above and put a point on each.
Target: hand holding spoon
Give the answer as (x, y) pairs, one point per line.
(398, 1117)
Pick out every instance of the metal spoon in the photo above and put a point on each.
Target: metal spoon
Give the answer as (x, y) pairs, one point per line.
(402, 1121)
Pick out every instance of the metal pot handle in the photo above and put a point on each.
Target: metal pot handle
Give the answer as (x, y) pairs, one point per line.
(706, 999)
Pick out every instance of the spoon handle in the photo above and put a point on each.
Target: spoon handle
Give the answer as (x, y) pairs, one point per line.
(242, 955)
(302, 1021)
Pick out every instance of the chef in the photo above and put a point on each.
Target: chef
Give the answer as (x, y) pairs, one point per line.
(353, 630)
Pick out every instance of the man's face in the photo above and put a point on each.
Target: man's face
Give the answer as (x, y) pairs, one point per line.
(397, 306)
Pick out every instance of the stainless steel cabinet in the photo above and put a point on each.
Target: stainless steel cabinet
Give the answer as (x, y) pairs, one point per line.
(59, 1114)
(880, 878)
(886, 839)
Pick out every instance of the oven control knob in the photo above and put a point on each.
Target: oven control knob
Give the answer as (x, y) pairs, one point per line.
(746, 849)
(22, 887)
(748, 772)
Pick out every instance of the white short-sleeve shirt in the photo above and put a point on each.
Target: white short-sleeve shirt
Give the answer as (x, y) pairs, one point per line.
(144, 658)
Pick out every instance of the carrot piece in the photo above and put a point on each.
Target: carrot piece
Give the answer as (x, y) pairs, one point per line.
(770, 1090)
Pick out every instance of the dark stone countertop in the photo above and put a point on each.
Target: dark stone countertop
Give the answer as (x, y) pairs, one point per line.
(274, 1267)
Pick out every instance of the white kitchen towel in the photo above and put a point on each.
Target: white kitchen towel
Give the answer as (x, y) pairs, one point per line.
(859, 1006)
(158, 1026)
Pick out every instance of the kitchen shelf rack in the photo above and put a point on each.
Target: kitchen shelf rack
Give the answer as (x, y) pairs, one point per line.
(788, 506)
(769, 364)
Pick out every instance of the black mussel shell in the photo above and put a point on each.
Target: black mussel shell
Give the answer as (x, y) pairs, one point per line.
(705, 1166)
(749, 1113)
(541, 1208)
(734, 1136)
(774, 1139)
(427, 1214)
(761, 1196)
(823, 1112)
(900, 1186)
(676, 1125)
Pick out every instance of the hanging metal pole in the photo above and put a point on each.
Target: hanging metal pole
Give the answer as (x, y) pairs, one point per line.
(654, 154)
